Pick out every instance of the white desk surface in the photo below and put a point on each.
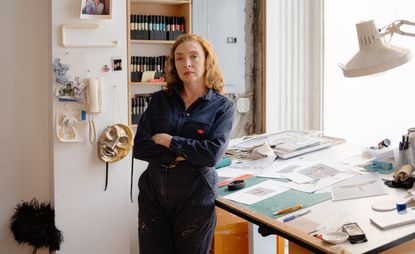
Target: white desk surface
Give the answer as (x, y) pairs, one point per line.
(359, 210)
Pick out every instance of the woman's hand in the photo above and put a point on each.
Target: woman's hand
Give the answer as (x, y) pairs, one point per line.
(163, 139)
(180, 158)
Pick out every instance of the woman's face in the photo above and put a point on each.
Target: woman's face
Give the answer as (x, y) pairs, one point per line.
(189, 60)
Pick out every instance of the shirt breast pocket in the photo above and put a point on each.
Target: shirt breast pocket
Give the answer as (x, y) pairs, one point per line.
(196, 130)
(163, 125)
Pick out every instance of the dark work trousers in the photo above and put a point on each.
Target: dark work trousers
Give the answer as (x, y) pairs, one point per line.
(176, 210)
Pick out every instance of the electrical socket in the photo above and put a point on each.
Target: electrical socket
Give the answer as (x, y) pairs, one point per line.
(242, 105)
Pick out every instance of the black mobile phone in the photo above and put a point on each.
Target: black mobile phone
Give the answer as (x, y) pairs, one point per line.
(355, 233)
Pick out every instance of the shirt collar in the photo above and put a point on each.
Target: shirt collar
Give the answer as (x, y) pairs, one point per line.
(178, 87)
(208, 96)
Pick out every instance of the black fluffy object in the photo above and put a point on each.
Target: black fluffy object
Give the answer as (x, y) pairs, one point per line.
(33, 223)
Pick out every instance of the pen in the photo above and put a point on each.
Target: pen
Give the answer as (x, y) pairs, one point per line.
(288, 210)
(295, 216)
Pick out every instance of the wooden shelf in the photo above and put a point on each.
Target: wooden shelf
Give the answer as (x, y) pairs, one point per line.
(177, 8)
(147, 83)
(152, 42)
(164, 2)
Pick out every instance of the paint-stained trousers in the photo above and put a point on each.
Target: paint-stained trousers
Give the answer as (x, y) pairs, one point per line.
(176, 210)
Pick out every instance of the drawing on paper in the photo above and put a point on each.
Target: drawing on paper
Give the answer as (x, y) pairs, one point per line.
(318, 171)
(260, 191)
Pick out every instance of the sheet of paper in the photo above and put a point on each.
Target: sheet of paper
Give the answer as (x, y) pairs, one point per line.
(255, 166)
(256, 193)
(276, 170)
(358, 186)
(262, 151)
(250, 142)
(318, 184)
(228, 172)
(316, 171)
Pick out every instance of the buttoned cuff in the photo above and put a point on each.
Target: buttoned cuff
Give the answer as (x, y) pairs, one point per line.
(176, 146)
(169, 158)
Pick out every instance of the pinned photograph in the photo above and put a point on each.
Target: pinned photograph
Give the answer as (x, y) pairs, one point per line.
(116, 64)
(96, 9)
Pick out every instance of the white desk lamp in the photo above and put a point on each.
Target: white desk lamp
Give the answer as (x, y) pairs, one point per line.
(375, 54)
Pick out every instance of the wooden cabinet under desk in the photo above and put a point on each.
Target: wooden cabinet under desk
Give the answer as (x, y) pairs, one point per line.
(231, 234)
(144, 42)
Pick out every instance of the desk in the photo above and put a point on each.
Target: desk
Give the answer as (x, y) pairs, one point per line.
(359, 210)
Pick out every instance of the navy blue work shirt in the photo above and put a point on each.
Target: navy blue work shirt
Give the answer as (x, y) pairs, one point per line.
(200, 134)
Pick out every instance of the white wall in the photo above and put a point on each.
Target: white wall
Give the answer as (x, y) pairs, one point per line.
(93, 221)
(24, 110)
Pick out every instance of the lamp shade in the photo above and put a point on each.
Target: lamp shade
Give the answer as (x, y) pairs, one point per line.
(374, 55)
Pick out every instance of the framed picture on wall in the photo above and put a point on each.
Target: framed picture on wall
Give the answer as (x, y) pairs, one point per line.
(96, 9)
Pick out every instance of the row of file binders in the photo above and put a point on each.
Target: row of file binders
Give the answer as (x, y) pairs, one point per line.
(156, 27)
(140, 64)
(139, 104)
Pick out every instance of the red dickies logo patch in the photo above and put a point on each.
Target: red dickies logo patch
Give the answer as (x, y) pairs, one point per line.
(200, 131)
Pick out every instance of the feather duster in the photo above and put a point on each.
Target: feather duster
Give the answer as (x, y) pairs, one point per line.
(33, 223)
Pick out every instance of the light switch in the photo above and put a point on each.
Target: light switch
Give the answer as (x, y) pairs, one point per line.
(231, 40)
(242, 105)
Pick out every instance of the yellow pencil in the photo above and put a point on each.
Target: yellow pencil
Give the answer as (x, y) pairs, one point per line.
(288, 209)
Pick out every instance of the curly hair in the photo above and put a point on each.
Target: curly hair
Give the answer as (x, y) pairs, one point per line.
(213, 76)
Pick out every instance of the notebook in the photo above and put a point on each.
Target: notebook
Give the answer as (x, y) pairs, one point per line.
(392, 220)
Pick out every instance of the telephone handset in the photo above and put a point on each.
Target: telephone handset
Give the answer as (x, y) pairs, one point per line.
(94, 100)
(94, 95)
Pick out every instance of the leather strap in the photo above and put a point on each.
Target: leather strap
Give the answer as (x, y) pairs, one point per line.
(106, 176)
(131, 180)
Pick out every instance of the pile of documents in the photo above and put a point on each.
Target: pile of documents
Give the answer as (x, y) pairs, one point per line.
(294, 174)
(286, 144)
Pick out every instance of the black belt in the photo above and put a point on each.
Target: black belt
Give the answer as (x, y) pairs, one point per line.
(179, 164)
(169, 166)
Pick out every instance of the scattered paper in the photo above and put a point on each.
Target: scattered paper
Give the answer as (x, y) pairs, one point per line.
(262, 151)
(256, 193)
(358, 186)
(255, 166)
(279, 171)
(317, 184)
(311, 177)
(316, 171)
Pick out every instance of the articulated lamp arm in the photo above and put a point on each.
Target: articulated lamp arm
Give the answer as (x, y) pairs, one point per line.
(395, 27)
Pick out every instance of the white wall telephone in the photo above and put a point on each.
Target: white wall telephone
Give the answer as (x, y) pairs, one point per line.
(94, 101)
(94, 95)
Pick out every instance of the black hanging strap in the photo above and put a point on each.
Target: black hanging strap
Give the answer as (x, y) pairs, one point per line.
(106, 176)
(131, 180)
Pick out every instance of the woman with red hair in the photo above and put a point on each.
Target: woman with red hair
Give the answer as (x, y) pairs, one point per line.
(183, 134)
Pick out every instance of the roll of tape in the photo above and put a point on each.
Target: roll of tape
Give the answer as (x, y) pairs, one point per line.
(236, 185)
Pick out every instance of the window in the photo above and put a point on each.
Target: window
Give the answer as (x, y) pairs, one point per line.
(367, 109)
